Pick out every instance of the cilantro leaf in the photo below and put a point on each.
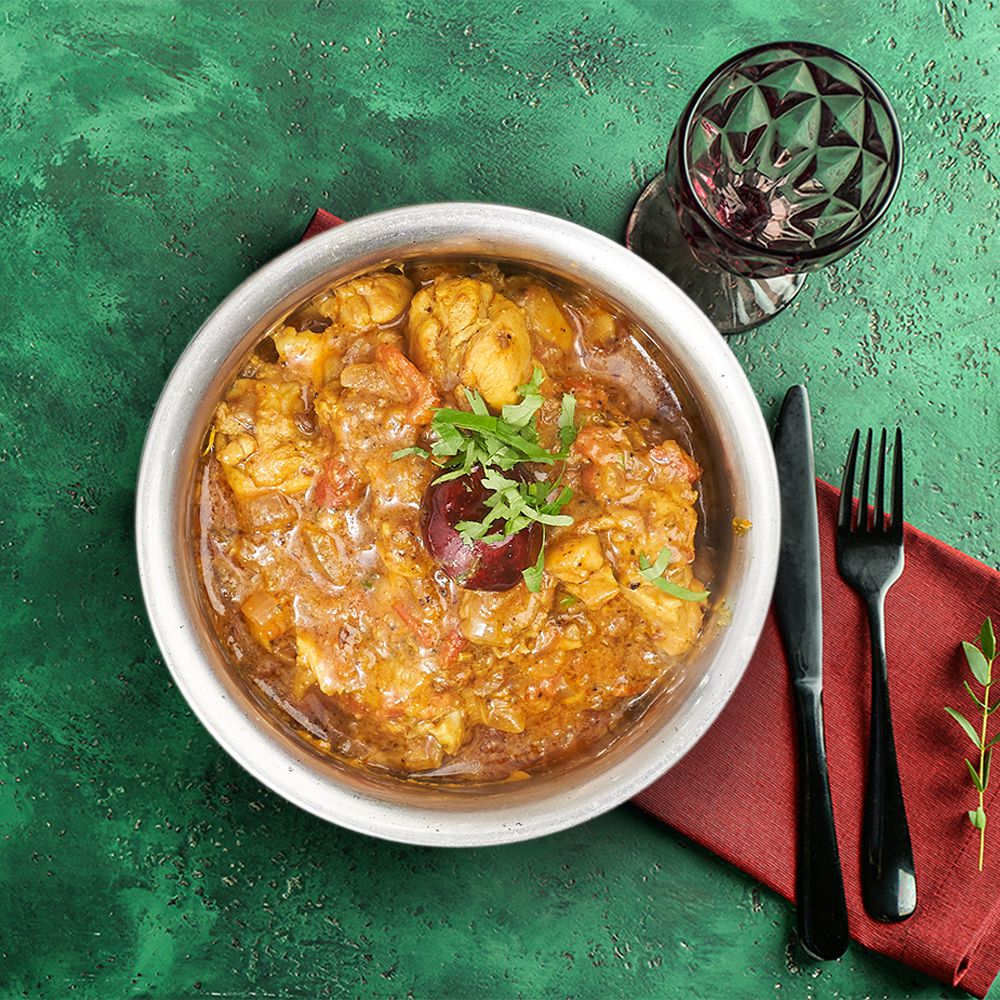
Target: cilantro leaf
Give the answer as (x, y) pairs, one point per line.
(477, 403)
(650, 572)
(463, 440)
(531, 387)
(682, 593)
(403, 452)
(520, 414)
(653, 573)
(567, 425)
(533, 574)
(556, 520)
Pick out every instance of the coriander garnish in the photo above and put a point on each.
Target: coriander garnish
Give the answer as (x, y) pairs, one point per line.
(533, 574)
(653, 573)
(516, 504)
(465, 440)
(497, 444)
(980, 659)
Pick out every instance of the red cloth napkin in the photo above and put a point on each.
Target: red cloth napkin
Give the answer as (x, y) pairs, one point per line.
(750, 818)
(747, 758)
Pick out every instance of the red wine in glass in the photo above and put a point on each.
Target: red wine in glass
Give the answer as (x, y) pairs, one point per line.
(784, 160)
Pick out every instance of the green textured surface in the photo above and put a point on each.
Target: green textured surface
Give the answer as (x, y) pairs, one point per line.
(155, 154)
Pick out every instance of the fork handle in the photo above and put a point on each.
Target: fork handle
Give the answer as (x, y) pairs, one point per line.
(888, 878)
(819, 884)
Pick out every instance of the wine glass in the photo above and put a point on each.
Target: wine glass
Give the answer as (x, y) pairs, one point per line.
(783, 161)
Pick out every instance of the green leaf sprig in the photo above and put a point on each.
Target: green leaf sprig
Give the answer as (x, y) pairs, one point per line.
(496, 444)
(980, 659)
(654, 573)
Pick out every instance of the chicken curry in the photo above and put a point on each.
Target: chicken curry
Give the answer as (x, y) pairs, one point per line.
(444, 523)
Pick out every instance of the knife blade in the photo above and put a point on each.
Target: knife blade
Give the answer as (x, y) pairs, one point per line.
(822, 909)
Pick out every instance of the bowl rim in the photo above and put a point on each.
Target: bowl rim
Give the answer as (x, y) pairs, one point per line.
(286, 769)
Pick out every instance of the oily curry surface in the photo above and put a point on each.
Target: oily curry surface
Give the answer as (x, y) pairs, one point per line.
(311, 528)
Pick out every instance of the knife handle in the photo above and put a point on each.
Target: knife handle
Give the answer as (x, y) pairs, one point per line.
(819, 884)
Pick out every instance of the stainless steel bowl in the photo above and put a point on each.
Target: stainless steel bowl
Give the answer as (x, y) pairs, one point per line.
(740, 481)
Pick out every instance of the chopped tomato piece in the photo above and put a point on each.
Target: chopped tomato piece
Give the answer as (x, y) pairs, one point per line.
(588, 479)
(600, 444)
(423, 397)
(589, 394)
(671, 456)
(421, 631)
(453, 644)
(337, 485)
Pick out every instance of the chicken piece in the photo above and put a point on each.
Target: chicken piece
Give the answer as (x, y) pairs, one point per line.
(675, 623)
(308, 355)
(646, 501)
(333, 668)
(372, 300)
(462, 331)
(578, 562)
(503, 618)
(545, 319)
(399, 542)
(258, 442)
(391, 389)
(573, 558)
(370, 411)
(647, 494)
(603, 329)
(266, 616)
(448, 731)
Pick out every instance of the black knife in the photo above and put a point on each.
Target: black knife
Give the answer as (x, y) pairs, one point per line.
(819, 884)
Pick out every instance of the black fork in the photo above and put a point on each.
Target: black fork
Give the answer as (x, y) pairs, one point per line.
(870, 559)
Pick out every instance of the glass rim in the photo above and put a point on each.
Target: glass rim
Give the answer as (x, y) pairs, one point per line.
(813, 253)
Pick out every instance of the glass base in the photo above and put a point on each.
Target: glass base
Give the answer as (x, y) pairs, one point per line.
(732, 303)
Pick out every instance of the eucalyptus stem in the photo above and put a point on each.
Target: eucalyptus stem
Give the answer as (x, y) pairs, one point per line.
(982, 761)
(980, 660)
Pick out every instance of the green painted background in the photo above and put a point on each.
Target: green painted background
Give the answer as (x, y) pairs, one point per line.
(152, 155)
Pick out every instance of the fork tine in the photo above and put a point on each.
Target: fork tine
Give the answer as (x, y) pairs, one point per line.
(863, 490)
(896, 523)
(847, 484)
(879, 523)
